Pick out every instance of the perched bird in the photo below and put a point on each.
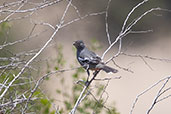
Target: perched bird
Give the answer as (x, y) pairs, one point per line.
(89, 60)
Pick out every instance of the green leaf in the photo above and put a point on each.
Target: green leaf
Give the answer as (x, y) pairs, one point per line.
(53, 112)
(112, 111)
(44, 101)
(68, 105)
(36, 93)
(56, 68)
(58, 91)
(80, 70)
(100, 89)
(75, 76)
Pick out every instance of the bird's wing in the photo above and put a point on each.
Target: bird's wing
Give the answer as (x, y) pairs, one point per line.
(89, 57)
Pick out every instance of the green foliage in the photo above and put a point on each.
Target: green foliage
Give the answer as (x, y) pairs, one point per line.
(21, 87)
(4, 27)
(60, 58)
(46, 104)
(58, 91)
(76, 75)
(100, 89)
(95, 44)
(42, 105)
(68, 105)
(112, 111)
(89, 105)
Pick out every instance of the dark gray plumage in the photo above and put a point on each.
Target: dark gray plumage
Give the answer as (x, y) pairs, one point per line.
(89, 60)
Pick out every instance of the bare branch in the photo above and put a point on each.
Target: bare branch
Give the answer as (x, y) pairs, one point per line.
(83, 92)
(158, 95)
(147, 57)
(166, 79)
(107, 26)
(40, 6)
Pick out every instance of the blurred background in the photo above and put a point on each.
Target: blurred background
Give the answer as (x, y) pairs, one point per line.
(60, 54)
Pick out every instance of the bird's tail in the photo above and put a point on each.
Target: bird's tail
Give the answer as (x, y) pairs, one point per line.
(108, 69)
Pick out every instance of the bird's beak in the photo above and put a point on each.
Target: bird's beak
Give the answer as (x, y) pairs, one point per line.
(74, 43)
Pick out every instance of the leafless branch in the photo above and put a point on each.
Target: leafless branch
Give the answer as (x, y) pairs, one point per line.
(83, 92)
(23, 61)
(37, 54)
(146, 56)
(158, 95)
(127, 29)
(160, 92)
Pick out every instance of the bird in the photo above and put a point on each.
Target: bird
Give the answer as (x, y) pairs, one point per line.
(89, 60)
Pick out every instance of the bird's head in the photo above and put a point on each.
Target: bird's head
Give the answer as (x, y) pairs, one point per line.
(79, 44)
